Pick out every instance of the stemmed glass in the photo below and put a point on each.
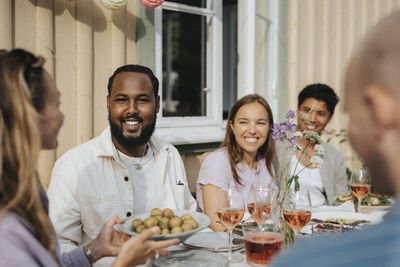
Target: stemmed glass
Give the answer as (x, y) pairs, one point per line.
(297, 209)
(259, 203)
(230, 211)
(360, 185)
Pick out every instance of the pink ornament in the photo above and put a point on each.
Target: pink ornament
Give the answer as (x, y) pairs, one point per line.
(151, 3)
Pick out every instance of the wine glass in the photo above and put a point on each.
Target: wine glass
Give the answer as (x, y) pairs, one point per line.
(297, 209)
(230, 211)
(259, 203)
(360, 185)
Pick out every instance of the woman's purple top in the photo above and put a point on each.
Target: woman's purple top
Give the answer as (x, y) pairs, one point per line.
(216, 170)
(20, 247)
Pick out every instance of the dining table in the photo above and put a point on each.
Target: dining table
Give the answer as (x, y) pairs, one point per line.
(188, 255)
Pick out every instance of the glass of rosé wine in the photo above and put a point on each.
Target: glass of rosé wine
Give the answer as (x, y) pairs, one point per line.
(261, 245)
(259, 203)
(360, 185)
(297, 209)
(230, 211)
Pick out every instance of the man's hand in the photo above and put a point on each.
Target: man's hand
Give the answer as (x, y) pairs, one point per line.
(109, 241)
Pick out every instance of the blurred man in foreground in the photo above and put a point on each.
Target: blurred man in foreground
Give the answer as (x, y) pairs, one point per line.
(372, 100)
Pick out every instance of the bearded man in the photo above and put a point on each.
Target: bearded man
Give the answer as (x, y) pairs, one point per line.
(125, 170)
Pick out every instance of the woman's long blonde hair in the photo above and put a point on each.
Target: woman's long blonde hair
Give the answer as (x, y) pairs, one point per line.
(21, 83)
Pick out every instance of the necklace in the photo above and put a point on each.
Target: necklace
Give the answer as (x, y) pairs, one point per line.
(139, 166)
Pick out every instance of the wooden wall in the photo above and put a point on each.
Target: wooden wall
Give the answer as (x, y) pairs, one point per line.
(321, 36)
(83, 43)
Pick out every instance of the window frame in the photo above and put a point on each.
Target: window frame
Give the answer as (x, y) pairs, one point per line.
(211, 128)
(195, 129)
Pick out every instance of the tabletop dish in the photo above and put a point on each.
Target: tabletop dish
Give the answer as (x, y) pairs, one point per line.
(191, 258)
(371, 199)
(345, 217)
(376, 200)
(348, 220)
(213, 241)
(202, 220)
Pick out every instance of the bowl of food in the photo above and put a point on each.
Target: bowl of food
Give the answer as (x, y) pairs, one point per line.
(172, 223)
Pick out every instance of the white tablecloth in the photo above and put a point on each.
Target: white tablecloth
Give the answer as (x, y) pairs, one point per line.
(345, 207)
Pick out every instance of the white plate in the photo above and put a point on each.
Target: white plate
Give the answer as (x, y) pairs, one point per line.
(200, 218)
(373, 218)
(323, 215)
(213, 241)
(192, 257)
(372, 209)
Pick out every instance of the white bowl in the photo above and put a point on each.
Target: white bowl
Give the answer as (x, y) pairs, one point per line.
(202, 220)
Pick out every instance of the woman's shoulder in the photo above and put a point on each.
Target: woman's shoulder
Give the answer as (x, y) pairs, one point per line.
(217, 157)
(18, 245)
(215, 168)
(215, 162)
(12, 225)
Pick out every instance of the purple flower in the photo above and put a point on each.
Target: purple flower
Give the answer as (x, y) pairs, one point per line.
(282, 131)
(293, 140)
(290, 114)
(293, 127)
(277, 131)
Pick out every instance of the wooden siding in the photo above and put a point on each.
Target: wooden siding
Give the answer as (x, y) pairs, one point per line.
(83, 43)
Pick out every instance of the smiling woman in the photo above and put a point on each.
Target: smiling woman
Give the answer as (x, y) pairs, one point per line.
(245, 156)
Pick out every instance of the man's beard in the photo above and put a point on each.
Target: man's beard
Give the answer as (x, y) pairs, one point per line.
(131, 142)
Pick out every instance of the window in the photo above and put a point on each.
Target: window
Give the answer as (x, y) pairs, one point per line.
(198, 45)
(184, 43)
(189, 59)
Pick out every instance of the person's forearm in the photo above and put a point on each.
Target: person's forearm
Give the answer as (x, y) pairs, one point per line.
(75, 257)
(95, 250)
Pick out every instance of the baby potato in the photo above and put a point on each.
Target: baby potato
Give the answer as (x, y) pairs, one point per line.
(140, 228)
(149, 222)
(174, 222)
(165, 231)
(158, 231)
(155, 211)
(186, 216)
(176, 229)
(135, 223)
(191, 221)
(166, 221)
(168, 213)
(186, 227)
(163, 222)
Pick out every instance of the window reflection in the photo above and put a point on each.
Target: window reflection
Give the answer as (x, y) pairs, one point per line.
(184, 61)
